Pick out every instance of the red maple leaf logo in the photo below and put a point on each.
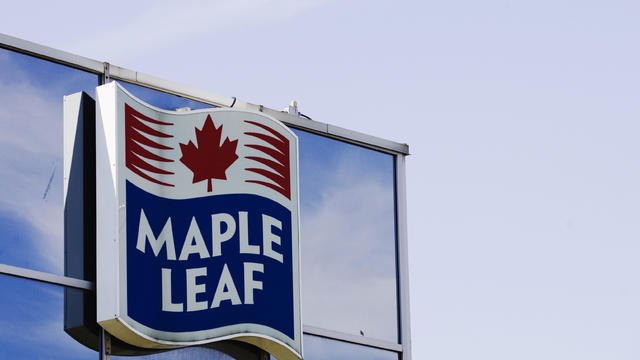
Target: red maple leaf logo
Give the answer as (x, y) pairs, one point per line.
(209, 160)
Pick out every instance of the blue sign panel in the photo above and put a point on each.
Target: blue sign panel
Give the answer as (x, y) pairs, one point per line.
(197, 223)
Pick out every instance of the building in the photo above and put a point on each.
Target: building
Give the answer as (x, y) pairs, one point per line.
(355, 297)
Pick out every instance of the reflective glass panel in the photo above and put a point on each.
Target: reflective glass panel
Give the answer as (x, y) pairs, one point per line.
(182, 354)
(161, 99)
(31, 322)
(31, 207)
(347, 206)
(317, 348)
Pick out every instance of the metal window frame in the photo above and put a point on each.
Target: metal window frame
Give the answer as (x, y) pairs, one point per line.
(47, 277)
(354, 339)
(398, 150)
(402, 256)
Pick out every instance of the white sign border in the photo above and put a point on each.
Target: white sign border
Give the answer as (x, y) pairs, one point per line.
(111, 229)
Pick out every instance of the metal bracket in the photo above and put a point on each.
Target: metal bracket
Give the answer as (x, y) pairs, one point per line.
(106, 77)
(292, 108)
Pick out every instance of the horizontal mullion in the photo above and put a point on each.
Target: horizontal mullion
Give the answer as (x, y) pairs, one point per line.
(47, 277)
(50, 54)
(354, 339)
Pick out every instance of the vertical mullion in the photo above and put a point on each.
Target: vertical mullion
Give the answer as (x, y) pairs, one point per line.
(403, 255)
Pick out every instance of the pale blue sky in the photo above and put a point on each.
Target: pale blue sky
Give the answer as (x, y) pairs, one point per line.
(522, 118)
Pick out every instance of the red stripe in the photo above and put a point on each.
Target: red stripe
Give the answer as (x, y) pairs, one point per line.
(136, 156)
(279, 168)
(281, 146)
(280, 157)
(272, 186)
(144, 175)
(129, 110)
(135, 148)
(275, 177)
(275, 133)
(280, 152)
(135, 160)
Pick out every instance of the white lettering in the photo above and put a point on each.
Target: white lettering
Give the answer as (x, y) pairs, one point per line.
(269, 238)
(190, 247)
(249, 283)
(221, 295)
(167, 303)
(166, 237)
(194, 289)
(245, 248)
(219, 237)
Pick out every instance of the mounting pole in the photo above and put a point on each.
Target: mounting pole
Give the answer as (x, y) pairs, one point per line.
(102, 344)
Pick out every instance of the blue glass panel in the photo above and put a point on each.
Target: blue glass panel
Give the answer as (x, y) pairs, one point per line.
(161, 99)
(317, 348)
(347, 241)
(182, 354)
(31, 322)
(31, 206)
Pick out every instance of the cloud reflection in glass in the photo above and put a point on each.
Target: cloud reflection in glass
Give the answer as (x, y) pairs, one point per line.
(347, 238)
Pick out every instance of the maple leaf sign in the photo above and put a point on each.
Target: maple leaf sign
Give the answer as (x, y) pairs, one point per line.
(209, 160)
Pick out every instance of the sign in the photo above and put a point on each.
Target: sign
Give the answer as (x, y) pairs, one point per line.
(197, 226)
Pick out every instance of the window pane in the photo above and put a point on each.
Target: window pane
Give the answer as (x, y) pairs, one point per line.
(317, 348)
(161, 99)
(31, 207)
(182, 354)
(347, 206)
(31, 322)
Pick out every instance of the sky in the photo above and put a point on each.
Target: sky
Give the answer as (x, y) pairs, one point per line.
(522, 122)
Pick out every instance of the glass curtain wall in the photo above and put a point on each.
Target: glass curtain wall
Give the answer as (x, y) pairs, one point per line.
(31, 204)
(347, 211)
